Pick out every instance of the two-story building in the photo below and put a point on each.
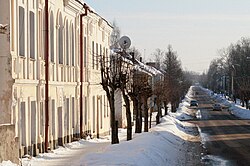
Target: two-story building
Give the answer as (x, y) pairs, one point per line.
(23, 72)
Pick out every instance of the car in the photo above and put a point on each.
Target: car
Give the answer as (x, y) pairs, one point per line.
(217, 107)
(193, 103)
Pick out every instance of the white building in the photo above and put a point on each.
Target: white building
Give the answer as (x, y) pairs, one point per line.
(22, 60)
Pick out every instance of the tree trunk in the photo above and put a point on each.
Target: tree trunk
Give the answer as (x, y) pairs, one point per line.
(150, 118)
(158, 113)
(166, 107)
(128, 115)
(145, 114)
(246, 101)
(114, 127)
(136, 109)
(139, 118)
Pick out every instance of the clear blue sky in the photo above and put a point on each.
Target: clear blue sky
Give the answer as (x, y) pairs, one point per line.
(196, 29)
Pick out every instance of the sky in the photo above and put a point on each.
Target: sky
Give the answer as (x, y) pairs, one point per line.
(196, 29)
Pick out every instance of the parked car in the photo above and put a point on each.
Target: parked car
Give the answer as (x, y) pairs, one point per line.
(193, 103)
(217, 107)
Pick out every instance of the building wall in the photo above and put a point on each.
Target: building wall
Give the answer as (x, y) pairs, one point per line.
(97, 35)
(9, 144)
(120, 109)
(5, 58)
(22, 94)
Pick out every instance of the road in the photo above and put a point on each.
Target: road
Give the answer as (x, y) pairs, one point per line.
(225, 138)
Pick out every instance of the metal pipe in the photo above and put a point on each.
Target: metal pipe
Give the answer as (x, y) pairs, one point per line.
(46, 75)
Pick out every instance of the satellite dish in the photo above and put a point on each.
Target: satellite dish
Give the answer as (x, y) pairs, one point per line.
(124, 42)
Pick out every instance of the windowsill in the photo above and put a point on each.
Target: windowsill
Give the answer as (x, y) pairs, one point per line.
(32, 59)
(22, 56)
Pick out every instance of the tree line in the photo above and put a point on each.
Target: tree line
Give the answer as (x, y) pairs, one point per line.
(229, 74)
(134, 85)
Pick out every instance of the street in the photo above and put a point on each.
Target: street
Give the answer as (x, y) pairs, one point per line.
(225, 138)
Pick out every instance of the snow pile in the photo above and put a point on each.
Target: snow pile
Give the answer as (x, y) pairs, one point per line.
(240, 112)
(162, 146)
(235, 109)
(182, 112)
(7, 163)
(169, 143)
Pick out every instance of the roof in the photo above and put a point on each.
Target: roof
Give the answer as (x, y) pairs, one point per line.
(137, 65)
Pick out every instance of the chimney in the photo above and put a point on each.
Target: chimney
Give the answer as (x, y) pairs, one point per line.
(140, 59)
(133, 55)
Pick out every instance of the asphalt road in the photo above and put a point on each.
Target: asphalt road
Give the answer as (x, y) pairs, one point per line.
(225, 138)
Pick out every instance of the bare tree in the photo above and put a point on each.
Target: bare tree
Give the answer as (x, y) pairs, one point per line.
(115, 35)
(125, 79)
(158, 54)
(110, 82)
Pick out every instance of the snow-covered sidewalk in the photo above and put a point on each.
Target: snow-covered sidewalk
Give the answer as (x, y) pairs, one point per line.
(170, 143)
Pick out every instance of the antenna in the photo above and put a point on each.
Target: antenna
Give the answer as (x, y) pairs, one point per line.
(124, 42)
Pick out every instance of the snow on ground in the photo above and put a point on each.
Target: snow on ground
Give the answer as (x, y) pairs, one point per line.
(169, 143)
(182, 113)
(163, 145)
(7, 163)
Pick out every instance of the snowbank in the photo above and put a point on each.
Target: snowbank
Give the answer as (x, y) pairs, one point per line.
(235, 109)
(161, 146)
(7, 163)
(169, 143)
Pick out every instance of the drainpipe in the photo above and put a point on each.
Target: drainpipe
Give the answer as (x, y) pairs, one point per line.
(86, 8)
(46, 55)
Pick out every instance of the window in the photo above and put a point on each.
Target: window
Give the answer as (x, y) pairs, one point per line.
(107, 107)
(41, 119)
(85, 109)
(23, 126)
(101, 111)
(53, 117)
(73, 112)
(104, 104)
(32, 35)
(97, 56)
(93, 114)
(51, 36)
(67, 43)
(93, 54)
(33, 122)
(72, 46)
(21, 32)
(100, 56)
(60, 40)
(85, 52)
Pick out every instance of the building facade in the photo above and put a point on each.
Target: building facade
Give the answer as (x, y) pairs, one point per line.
(22, 58)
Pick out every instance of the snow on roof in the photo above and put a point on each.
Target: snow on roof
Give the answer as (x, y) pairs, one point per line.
(137, 65)
(148, 68)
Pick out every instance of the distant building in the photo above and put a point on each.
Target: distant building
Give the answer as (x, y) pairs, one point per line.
(22, 61)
